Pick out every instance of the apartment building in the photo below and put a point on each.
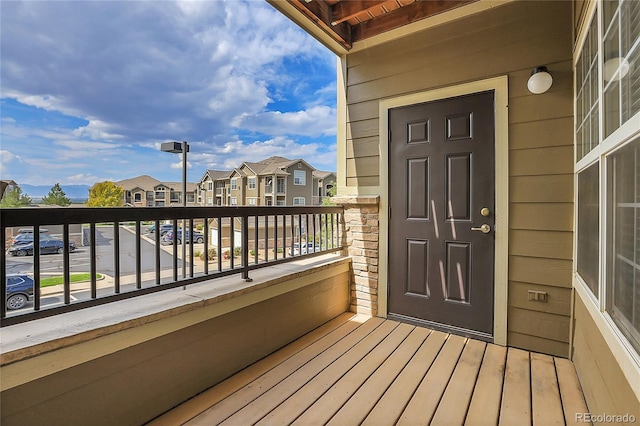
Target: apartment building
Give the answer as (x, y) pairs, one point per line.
(145, 191)
(323, 182)
(275, 181)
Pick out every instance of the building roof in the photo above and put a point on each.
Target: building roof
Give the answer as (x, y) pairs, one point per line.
(216, 174)
(321, 174)
(145, 182)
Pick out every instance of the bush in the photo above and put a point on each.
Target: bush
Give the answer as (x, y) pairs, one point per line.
(237, 251)
(212, 254)
(199, 227)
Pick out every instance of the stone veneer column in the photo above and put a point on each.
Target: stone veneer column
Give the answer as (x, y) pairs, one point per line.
(361, 241)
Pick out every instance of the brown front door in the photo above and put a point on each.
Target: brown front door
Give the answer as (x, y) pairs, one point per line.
(441, 186)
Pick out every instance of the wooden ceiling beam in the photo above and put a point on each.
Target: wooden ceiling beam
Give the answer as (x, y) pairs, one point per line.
(320, 13)
(403, 16)
(345, 10)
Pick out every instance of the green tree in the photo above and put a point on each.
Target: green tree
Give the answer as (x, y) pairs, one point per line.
(326, 201)
(15, 198)
(56, 196)
(105, 194)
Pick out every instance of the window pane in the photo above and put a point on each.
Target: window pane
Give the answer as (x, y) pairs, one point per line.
(588, 228)
(624, 244)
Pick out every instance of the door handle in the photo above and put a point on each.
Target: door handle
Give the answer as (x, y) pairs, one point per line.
(484, 228)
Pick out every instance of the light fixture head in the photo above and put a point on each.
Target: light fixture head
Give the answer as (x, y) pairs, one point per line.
(540, 80)
(612, 65)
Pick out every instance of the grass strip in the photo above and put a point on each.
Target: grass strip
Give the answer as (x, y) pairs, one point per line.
(74, 278)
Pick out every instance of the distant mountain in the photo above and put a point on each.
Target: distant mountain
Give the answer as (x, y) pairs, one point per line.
(77, 193)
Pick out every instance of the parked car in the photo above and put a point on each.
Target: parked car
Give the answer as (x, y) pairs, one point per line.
(26, 238)
(164, 228)
(198, 237)
(19, 291)
(48, 245)
(306, 248)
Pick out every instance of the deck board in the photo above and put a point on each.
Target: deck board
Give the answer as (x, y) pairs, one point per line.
(545, 395)
(425, 400)
(516, 396)
(570, 391)
(381, 372)
(453, 406)
(485, 403)
(390, 407)
(356, 409)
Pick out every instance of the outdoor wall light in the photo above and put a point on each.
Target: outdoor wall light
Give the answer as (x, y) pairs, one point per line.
(540, 80)
(612, 65)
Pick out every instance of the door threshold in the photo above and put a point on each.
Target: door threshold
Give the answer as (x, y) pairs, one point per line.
(451, 329)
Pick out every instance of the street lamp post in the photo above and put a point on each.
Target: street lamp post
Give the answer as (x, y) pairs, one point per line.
(177, 148)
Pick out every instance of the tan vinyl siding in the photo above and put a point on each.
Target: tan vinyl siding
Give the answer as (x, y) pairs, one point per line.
(606, 389)
(507, 40)
(131, 386)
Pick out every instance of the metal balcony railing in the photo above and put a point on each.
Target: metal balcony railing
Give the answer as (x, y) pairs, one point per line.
(121, 259)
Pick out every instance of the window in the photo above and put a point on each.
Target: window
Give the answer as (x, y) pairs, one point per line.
(299, 201)
(137, 197)
(234, 201)
(280, 185)
(149, 195)
(234, 183)
(210, 201)
(268, 202)
(190, 198)
(280, 203)
(587, 98)
(588, 226)
(252, 201)
(624, 243)
(210, 186)
(608, 166)
(252, 183)
(299, 177)
(621, 55)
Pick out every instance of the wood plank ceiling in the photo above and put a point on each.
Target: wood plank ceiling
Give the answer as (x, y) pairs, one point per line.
(350, 21)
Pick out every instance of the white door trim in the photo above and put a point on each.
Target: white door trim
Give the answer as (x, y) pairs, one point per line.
(500, 87)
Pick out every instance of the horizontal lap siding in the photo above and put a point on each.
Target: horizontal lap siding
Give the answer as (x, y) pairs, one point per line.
(134, 385)
(606, 389)
(507, 40)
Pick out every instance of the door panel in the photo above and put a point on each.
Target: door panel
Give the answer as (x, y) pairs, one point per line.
(442, 174)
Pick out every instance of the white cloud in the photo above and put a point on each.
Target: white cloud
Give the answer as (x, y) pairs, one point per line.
(315, 121)
(210, 72)
(81, 179)
(6, 156)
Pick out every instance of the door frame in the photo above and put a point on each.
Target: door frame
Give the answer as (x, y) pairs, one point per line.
(500, 87)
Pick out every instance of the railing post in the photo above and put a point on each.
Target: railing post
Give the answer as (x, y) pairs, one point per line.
(245, 249)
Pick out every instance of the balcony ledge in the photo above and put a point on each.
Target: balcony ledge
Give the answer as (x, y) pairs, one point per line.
(120, 325)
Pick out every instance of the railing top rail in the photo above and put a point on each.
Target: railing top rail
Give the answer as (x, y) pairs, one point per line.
(40, 216)
(275, 229)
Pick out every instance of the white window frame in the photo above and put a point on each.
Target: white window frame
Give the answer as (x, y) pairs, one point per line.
(300, 177)
(234, 183)
(252, 201)
(234, 201)
(296, 201)
(280, 203)
(210, 186)
(625, 354)
(251, 182)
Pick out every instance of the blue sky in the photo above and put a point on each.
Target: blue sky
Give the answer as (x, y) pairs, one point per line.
(89, 89)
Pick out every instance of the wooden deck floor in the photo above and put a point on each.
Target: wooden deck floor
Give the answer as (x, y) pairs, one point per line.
(371, 371)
